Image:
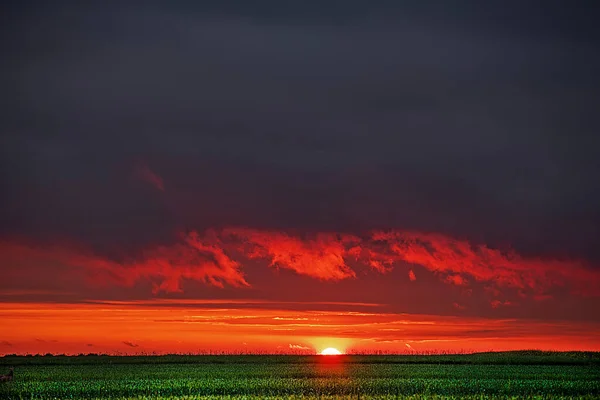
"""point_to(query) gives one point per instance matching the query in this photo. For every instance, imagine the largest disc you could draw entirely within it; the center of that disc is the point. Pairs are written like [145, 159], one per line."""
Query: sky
[286, 176]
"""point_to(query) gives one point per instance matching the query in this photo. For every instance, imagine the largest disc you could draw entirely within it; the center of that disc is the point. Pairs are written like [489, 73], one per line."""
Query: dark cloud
[130, 344]
[477, 122]
[145, 174]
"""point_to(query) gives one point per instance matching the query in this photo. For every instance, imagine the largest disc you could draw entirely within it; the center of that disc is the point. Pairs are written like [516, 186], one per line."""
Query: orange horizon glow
[462, 297]
[134, 328]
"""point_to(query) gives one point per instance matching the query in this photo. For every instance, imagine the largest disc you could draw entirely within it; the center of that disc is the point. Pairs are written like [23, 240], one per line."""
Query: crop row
[272, 380]
[288, 386]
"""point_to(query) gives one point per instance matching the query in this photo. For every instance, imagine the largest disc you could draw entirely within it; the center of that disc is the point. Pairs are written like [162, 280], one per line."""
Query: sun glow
[330, 351]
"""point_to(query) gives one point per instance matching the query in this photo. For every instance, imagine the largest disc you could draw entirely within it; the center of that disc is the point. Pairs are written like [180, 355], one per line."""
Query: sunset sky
[287, 176]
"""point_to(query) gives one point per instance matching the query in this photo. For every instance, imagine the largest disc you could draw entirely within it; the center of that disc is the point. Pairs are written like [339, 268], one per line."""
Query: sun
[330, 351]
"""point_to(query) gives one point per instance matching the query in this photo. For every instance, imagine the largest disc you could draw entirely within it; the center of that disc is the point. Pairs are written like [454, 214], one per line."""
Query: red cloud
[165, 266]
[215, 257]
[144, 173]
[456, 280]
[411, 276]
[457, 258]
[498, 304]
[200, 259]
[323, 256]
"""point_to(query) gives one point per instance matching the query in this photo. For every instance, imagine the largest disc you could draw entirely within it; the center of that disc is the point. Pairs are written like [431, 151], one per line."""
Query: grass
[484, 375]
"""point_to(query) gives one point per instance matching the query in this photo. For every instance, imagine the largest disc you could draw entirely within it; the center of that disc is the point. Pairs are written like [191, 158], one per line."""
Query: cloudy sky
[372, 174]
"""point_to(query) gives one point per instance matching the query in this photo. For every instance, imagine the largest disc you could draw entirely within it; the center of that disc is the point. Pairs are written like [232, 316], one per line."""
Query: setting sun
[330, 351]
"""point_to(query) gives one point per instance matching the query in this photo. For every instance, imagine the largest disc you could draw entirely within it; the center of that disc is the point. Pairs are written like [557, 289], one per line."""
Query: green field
[489, 375]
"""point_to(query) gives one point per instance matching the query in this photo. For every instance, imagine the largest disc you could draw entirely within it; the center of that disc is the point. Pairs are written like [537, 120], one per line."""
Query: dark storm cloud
[473, 121]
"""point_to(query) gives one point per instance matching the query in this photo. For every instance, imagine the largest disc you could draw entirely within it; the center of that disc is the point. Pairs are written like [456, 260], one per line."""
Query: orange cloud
[299, 347]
